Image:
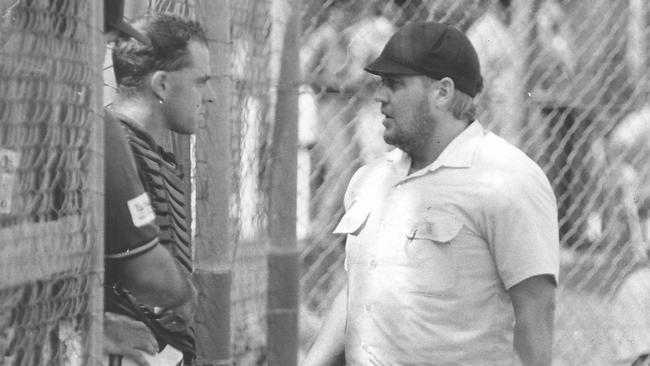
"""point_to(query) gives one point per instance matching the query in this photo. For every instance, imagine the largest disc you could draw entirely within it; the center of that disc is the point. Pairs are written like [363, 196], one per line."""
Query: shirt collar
[460, 151]
[167, 156]
[458, 154]
[137, 129]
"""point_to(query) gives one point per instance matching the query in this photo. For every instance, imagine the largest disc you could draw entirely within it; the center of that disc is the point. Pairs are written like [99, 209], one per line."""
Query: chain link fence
[565, 82]
[50, 229]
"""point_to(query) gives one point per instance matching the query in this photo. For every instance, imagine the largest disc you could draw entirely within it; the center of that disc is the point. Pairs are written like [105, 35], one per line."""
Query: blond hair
[463, 107]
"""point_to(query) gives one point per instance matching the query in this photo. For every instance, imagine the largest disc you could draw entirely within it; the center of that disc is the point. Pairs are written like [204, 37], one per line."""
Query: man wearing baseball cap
[452, 238]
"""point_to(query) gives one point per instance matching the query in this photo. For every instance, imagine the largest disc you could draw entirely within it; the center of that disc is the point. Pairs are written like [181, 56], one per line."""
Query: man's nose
[381, 95]
[209, 96]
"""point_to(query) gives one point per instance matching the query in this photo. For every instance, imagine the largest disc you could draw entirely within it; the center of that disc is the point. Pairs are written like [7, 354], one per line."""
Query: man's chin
[185, 130]
[389, 140]
[393, 140]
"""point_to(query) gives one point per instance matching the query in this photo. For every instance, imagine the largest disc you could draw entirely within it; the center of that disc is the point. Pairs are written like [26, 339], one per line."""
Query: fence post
[282, 306]
[213, 246]
[96, 182]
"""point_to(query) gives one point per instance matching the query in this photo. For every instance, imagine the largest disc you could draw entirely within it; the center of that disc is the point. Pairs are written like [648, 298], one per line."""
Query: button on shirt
[430, 255]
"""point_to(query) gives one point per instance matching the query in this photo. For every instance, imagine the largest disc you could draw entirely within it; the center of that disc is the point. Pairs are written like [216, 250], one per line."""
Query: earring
[160, 101]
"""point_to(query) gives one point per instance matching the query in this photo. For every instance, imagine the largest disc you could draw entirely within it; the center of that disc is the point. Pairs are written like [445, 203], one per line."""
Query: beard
[413, 135]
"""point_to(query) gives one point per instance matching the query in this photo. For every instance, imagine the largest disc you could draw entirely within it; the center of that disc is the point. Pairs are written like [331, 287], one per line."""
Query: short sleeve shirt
[430, 255]
[130, 226]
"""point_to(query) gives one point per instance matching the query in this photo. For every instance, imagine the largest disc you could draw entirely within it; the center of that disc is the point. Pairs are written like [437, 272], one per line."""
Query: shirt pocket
[430, 259]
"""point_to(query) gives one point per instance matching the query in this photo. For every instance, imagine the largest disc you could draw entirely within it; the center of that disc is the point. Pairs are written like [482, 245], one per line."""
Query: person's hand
[180, 317]
[126, 336]
[173, 321]
[177, 319]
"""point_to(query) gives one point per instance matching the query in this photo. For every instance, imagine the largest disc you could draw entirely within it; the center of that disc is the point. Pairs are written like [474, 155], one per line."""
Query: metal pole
[213, 245]
[96, 181]
[283, 290]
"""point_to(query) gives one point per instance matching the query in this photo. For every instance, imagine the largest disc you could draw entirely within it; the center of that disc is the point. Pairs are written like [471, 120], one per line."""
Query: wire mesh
[185, 8]
[48, 233]
[563, 83]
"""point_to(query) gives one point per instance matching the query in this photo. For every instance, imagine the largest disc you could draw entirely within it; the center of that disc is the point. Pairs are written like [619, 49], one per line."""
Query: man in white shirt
[452, 238]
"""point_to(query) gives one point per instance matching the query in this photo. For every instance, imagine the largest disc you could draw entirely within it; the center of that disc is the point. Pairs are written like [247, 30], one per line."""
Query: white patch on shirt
[8, 174]
[141, 210]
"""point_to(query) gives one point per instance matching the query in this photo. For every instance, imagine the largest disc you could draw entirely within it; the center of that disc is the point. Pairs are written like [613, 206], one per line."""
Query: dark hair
[170, 36]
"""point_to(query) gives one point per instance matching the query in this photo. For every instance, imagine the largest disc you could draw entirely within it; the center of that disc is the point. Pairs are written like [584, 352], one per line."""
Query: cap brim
[126, 29]
[385, 66]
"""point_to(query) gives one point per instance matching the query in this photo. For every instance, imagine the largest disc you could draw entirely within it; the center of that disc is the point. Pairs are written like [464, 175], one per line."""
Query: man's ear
[160, 84]
[446, 90]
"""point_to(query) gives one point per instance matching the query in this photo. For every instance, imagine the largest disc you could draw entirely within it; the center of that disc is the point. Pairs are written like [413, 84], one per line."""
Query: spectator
[501, 103]
[631, 143]
[631, 318]
[332, 64]
[367, 38]
[334, 81]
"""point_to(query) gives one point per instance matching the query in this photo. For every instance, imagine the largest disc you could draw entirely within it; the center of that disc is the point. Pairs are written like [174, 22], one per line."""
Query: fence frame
[96, 298]
[283, 263]
[212, 243]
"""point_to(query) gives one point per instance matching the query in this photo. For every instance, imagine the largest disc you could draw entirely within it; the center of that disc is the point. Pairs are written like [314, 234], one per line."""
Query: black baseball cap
[433, 49]
[114, 20]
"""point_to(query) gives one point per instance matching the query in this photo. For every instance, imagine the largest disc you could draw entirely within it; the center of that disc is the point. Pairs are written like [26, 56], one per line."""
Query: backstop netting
[50, 223]
[565, 82]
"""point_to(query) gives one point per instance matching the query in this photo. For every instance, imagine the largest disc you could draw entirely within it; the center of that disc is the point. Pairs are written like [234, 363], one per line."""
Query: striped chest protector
[162, 178]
